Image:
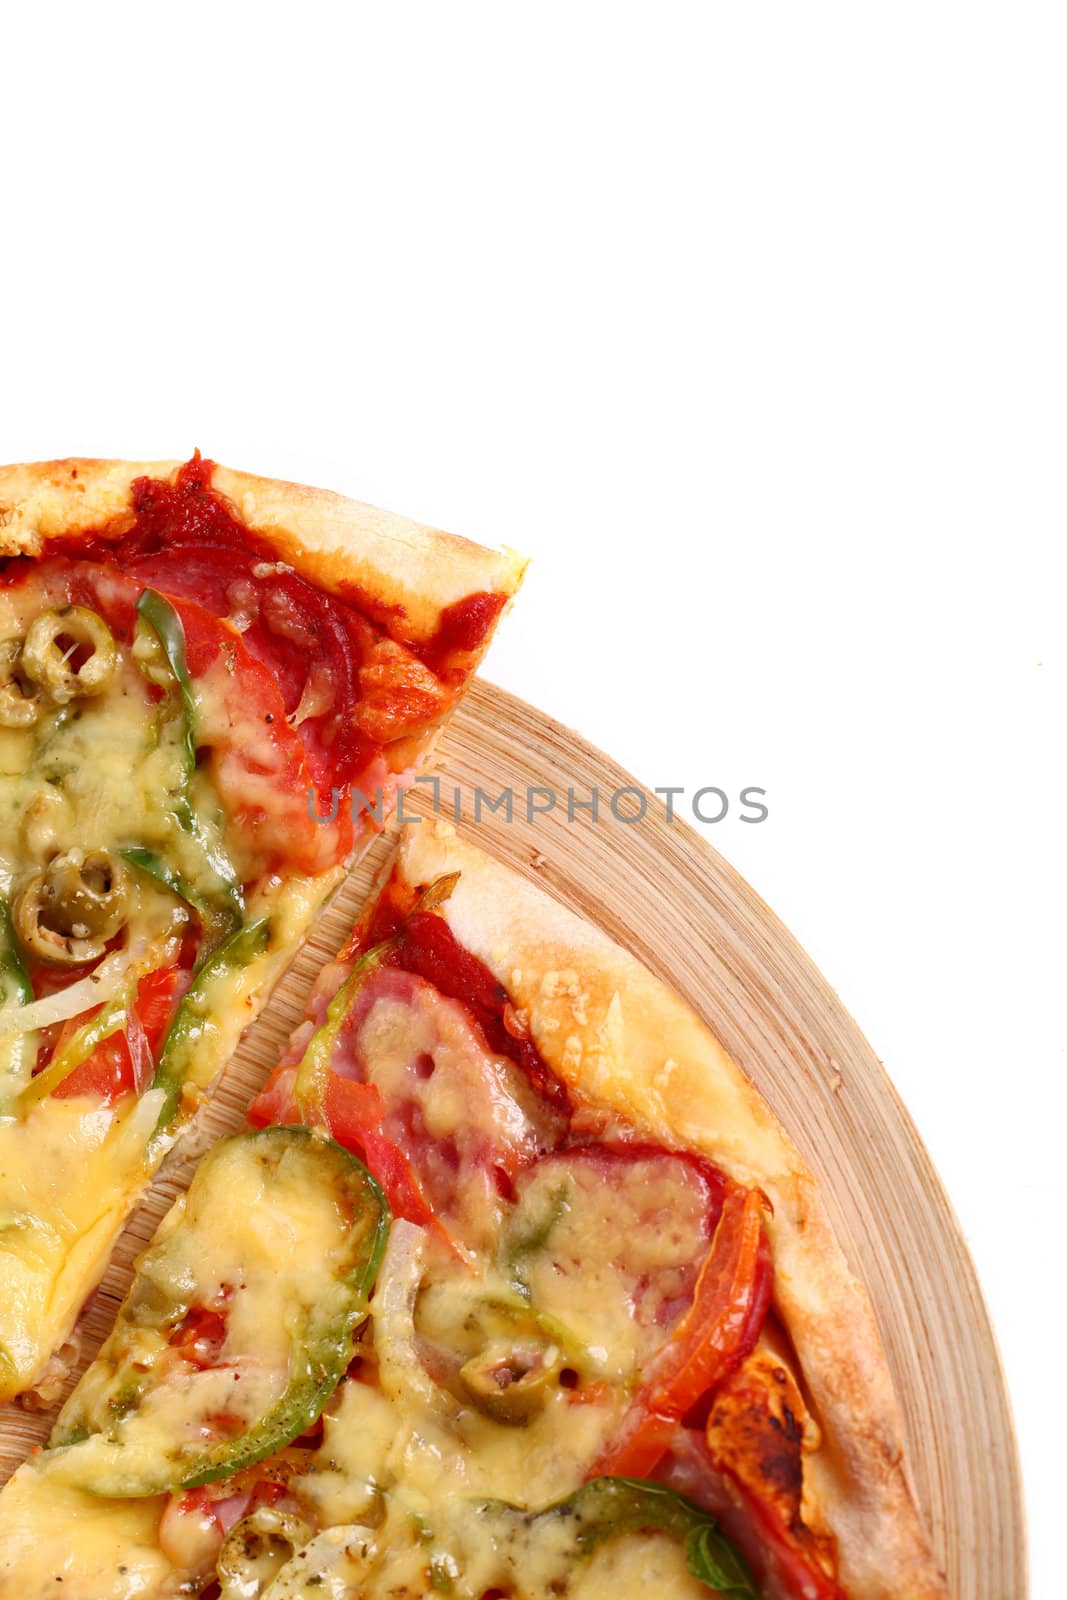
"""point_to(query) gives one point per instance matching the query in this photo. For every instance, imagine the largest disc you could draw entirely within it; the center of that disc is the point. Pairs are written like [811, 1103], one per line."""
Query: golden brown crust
[334, 541]
[619, 1038]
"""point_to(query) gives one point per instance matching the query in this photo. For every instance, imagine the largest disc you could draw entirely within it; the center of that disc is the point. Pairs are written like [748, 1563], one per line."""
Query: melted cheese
[69, 1173]
[111, 1551]
[466, 1555]
[604, 1238]
[409, 1448]
[260, 1240]
[635, 1566]
[71, 1170]
[96, 774]
[234, 996]
[422, 1051]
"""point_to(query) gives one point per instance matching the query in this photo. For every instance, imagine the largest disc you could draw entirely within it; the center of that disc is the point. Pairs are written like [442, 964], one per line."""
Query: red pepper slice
[253, 747]
[721, 1326]
[785, 1563]
[796, 1570]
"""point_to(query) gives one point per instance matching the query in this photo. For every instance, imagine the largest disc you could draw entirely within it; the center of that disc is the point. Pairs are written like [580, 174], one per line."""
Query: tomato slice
[797, 1572]
[111, 1070]
[158, 994]
[107, 1074]
[717, 1332]
[354, 1115]
[274, 1105]
[199, 1337]
[259, 763]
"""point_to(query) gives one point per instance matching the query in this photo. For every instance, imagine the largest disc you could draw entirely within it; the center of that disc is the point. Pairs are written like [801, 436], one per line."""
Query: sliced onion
[103, 983]
[140, 1054]
[401, 1372]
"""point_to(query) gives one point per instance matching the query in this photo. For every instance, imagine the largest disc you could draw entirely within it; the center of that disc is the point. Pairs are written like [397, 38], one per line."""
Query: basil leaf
[712, 1559]
[18, 1051]
[608, 1508]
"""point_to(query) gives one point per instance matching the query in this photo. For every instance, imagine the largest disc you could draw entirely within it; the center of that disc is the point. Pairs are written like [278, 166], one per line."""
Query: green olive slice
[67, 913]
[70, 651]
[510, 1380]
[20, 702]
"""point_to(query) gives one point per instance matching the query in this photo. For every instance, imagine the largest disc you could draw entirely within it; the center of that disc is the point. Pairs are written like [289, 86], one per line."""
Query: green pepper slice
[219, 888]
[195, 1020]
[607, 1508]
[279, 1282]
[313, 1071]
[219, 913]
[18, 1051]
[166, 624]
[113, 1018]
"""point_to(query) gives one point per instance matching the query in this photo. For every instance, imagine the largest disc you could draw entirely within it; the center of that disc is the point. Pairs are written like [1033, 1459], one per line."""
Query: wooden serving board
[659, 889]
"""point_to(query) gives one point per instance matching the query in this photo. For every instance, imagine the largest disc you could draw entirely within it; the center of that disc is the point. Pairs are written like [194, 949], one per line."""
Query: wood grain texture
[660, 890]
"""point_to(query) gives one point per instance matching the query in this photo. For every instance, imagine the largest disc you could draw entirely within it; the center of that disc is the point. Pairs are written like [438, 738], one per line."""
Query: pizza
[512, 1288]
[212, 687]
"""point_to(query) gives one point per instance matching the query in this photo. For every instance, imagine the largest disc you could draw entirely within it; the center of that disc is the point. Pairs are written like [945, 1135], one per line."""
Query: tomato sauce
[464, 626]
[190, 514]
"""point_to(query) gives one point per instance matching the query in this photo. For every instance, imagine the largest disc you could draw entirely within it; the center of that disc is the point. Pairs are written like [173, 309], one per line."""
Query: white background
[747, 322]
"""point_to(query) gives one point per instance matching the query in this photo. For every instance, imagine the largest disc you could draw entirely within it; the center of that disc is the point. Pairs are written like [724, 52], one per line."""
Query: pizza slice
[211, 688]
[611, 1347]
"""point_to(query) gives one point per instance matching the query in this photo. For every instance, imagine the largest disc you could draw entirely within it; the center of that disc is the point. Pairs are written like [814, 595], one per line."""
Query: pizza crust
[620, 1039]
[333, 541]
